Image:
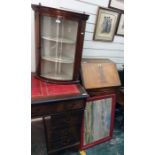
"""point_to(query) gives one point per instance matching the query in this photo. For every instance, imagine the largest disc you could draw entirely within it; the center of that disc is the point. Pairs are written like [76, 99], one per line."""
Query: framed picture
[117, 4]
[98, 120]
[106, 24]
[120, 29]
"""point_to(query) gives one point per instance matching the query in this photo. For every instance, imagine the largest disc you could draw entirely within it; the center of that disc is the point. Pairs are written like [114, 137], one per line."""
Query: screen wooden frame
[85, 146]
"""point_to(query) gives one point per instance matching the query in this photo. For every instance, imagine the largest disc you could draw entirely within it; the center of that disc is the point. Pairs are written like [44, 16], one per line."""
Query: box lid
[99, 73]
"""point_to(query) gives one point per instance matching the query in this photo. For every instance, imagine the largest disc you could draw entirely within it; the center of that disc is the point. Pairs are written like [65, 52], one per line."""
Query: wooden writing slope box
[101, 80]
[99, 73]
[61, 107]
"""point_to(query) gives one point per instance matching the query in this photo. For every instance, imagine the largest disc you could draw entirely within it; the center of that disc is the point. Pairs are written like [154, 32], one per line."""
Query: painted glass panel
[97, 119]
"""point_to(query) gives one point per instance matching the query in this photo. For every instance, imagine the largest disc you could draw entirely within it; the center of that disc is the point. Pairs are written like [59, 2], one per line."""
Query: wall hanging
[106, 24]
[117, 4]
[120, 29]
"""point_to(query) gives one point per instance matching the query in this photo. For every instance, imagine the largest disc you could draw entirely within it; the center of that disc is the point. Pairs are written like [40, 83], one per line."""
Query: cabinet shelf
[62, 59]
[63, 40]
[56, 76]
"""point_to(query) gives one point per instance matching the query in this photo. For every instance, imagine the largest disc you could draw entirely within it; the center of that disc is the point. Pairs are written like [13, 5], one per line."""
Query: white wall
[91, 49]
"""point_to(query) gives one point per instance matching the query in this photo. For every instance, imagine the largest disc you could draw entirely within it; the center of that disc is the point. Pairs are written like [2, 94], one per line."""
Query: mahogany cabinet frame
[52, 12]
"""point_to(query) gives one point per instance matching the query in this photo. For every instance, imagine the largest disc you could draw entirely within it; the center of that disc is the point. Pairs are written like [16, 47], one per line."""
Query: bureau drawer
[61, 123]
[63, 129]
[65, 133]
[66, 119]
[61, 143]
[63, 137]
[44, 110]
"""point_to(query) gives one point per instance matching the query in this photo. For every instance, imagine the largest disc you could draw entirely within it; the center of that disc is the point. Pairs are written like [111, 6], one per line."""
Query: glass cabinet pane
[58, 45]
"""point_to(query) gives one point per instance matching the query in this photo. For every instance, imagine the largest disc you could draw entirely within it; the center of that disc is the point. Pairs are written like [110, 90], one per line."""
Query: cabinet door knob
[82, 33]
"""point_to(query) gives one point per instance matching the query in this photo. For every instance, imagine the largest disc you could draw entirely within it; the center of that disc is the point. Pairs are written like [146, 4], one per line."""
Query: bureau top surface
[98, 73]
[47, 92]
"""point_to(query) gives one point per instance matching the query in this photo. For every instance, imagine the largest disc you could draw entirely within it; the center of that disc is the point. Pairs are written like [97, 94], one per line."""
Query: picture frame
[117, 4]
[98, 120]
[106, 24]
[120, 29]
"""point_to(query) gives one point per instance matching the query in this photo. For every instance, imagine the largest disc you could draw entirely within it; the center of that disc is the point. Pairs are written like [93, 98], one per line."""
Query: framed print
[106, 24]
[98, 120]
[117, 4]
[120, 29]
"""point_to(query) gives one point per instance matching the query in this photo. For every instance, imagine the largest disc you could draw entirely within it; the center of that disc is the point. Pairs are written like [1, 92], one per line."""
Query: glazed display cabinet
[59, 38]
